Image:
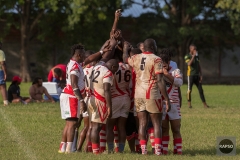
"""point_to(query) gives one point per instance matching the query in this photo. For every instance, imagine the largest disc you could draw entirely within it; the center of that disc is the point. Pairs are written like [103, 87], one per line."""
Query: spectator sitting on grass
[14, 92]
[36, 91]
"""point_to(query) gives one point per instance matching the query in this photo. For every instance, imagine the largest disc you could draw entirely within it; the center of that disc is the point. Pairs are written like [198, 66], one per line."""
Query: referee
[194, 74]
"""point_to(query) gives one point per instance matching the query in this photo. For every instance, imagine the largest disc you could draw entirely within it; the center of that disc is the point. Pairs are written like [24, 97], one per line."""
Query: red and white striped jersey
[172, 89]
[87, 73]
[146, 66]
[121, 81]
[100, 75]
[74, 68]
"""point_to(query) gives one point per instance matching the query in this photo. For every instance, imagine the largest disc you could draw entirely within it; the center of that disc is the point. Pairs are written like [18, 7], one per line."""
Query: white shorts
[86, 114]
[173, 114]
[70, 106]
[121, 106]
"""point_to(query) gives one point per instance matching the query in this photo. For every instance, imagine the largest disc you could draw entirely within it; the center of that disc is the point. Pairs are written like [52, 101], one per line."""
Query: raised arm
[115, 23]
[126, 48]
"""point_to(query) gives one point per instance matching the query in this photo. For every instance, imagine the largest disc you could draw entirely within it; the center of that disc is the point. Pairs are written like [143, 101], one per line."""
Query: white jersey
[172, 89]
[87, 73]
[122, 80]
[76, 69]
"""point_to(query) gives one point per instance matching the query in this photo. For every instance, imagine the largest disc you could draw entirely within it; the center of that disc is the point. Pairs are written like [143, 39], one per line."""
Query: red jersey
[51, 73]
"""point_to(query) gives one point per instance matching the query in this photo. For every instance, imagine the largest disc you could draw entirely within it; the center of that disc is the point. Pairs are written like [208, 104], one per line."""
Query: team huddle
[121, 93]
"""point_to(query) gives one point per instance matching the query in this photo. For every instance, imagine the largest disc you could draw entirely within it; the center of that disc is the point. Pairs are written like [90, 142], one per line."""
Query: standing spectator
[14, 92]
[3, 76]
[36, 91]
[194, 74]
[57, 73]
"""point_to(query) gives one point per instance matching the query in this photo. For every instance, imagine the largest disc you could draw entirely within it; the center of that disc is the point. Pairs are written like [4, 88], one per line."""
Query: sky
[136, 10]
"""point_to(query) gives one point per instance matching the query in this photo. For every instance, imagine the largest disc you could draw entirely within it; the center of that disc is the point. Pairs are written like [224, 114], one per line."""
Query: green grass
[33, 131]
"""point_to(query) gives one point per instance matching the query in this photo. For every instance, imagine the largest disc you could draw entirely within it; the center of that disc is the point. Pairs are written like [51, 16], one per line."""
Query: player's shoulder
[100, 67]
[173, 65]
[155, 58]
[187, 56]
[124, 66]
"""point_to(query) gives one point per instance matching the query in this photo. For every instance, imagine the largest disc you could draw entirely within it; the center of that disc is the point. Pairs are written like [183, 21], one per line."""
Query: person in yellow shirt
[3, 76]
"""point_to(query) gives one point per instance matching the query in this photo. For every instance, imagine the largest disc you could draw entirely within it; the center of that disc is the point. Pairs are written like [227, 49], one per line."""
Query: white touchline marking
[15, 135]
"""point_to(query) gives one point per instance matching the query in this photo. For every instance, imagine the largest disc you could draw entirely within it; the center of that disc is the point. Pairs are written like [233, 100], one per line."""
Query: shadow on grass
[194, 152]
[206, 152]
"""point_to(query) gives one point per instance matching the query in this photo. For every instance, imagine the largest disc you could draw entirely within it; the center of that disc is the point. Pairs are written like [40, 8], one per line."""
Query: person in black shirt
[14, 92]
[194, 74]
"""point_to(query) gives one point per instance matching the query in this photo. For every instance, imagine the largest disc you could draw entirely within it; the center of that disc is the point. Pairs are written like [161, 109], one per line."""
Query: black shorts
[131, 126]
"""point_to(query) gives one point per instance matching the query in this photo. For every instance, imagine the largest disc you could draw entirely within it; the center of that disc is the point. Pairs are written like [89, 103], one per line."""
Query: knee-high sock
[165, 142]
[103, 140]
[178, 145]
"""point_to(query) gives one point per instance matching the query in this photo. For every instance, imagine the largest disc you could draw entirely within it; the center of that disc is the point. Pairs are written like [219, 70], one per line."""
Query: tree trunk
[24, 15]
[23, 56]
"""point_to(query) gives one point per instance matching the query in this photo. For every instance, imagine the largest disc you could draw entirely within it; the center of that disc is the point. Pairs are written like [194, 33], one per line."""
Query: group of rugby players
[121, 93]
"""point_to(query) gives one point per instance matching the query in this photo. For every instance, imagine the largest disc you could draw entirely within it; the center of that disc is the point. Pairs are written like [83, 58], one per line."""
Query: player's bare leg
[143, 119]
[175, 126]
[83, 133]
[96, 127]
[110, 133]
[121, 133]
[4, 94]
[88, 146]
[68, 135]
[157, 121]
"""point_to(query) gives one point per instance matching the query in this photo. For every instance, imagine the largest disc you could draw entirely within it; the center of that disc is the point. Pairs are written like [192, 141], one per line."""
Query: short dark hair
[35, 81]
[138, 45]
[136, 51]
[165, 55]
[76, 47]
[58, 71]
[193, 45]
[89, 52]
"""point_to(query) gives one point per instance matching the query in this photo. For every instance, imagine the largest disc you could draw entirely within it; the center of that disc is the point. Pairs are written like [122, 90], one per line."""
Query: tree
[178, 23]
[232, 7]
[25, 15]
[57, 23]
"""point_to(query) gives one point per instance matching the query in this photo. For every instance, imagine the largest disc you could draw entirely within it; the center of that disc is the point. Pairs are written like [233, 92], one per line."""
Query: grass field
[33, 131]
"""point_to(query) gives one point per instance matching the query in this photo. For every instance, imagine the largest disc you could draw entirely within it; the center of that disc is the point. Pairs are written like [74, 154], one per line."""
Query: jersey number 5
[142, 66]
